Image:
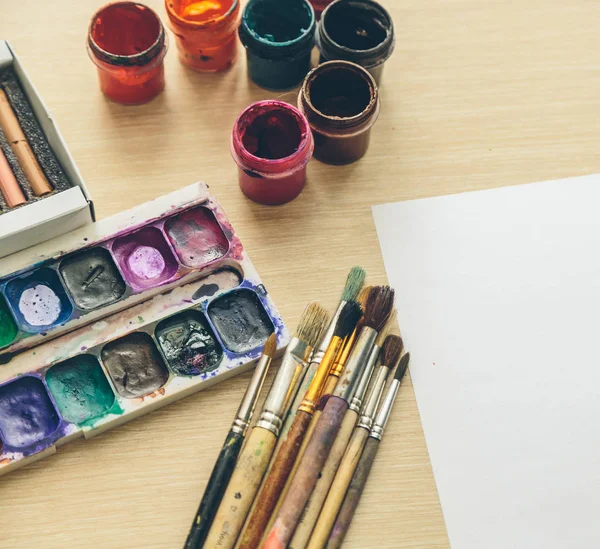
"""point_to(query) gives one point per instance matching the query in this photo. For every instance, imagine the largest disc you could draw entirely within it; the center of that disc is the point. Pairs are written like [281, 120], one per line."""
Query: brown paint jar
[341, 102]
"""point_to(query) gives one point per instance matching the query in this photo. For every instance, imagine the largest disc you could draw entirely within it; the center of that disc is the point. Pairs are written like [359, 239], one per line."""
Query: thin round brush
[363, 468]
[331, 487]
[223, 468]
[256, 453]
[377, 312]
[285, 456]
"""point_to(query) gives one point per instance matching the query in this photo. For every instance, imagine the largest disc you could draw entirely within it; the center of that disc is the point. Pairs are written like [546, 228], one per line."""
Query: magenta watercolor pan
[134, 361]
[111, 265]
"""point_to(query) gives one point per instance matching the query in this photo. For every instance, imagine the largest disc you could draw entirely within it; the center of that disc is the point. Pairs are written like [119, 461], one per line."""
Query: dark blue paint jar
[278, 36]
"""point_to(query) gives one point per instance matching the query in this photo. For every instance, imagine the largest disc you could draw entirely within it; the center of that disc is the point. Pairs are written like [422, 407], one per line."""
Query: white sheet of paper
[498, 297]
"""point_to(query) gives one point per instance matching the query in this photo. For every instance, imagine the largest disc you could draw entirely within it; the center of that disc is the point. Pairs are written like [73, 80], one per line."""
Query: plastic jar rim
[155, 52]
[211, 23]
[263, 166]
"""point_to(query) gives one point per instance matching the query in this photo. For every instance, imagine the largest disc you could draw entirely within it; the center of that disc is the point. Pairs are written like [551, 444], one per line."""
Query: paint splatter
[146, 262]
[80, 389]
[39, 305]
[27, 415]
[135, 365]
[189, 344]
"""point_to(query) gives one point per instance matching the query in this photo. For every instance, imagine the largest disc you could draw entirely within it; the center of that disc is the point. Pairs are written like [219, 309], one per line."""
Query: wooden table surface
[477, 95]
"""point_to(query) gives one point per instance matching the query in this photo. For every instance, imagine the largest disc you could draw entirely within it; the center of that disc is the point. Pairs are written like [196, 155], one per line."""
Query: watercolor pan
[134, 361]
[83, 276]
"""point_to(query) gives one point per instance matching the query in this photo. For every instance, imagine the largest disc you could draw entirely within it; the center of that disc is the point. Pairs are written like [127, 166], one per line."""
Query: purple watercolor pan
[92, 275]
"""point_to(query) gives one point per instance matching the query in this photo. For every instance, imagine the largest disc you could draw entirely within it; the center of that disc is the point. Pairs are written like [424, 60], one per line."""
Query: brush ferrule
[372, 401]
[285, 385]
[246, 409]
[328, 336]
[357, 360]
[365, 379]
[385, 411]
[309, 404]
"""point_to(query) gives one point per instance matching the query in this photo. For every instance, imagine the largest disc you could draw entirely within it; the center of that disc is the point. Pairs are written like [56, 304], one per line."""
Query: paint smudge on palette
[241, 320]
[27, 415]
[135, 365]
[197, 237]
[189, 344]
[80, 389]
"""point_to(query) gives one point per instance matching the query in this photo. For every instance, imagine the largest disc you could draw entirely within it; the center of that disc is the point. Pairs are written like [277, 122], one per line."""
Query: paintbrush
[319, 505]
[256, 454]
[377, 312]
[258, 520]
[363, 468]
[338, 485]
[223, 468]
[286, 455]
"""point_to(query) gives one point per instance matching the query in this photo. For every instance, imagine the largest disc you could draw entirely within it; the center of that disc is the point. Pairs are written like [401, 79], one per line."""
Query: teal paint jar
[278, 36]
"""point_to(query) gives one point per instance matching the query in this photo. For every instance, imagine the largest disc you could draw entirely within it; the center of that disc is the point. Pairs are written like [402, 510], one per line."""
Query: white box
[56, 214]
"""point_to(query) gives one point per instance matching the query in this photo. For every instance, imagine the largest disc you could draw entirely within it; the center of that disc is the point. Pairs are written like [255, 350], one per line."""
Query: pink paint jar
[127, 43]
[271, 143]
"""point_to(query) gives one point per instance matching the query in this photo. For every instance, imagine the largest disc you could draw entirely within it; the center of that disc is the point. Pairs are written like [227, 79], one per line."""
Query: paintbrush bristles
[390, 326]
[390, 352]
[313, 321]
[354, 282]
[378, 309]
[402, 367]
[270, 346]
[349, 317]
[364, 294]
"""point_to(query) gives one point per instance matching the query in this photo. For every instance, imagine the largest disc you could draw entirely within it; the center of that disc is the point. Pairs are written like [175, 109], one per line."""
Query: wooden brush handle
[313, 506]
[219, 479]
[306, 476]
[242, 488]
[353, 495]
[338, 488]
[274, 483]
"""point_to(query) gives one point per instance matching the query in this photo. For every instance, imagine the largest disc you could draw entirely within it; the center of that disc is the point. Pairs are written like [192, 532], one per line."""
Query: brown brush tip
[270, 346]
[387, 329]
[364, 294]
[349, 317]
[354, 282]
[379, 307]
[390, 352]
[313, 321]
[402, 367]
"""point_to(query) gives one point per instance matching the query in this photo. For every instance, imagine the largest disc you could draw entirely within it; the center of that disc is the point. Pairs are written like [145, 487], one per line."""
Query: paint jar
[341, 102]
[127, 43]
[319, 6]
[271, 143]
[278, 37]
[205, 32]
[360, 31]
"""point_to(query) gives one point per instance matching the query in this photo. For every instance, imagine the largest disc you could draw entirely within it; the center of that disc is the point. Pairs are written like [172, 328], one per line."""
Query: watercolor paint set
[179, 322]
[42, 194]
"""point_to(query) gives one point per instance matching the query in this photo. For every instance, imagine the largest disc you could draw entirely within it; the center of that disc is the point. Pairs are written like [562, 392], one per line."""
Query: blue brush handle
[219, 479]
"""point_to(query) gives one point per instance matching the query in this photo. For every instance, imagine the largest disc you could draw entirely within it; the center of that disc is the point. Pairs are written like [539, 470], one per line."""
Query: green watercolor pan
[139, 358]
[105, 267]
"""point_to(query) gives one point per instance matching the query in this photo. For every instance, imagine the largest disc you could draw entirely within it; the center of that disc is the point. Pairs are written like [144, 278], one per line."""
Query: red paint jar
[205, 32]
[271, 143]
[127, 43]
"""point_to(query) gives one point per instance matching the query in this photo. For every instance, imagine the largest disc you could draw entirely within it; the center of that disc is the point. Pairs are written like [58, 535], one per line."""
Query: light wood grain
[477, 94]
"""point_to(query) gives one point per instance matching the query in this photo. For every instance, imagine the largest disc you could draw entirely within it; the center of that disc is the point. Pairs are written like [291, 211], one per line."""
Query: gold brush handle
[313, 507]
[337, 491]
[242, 488]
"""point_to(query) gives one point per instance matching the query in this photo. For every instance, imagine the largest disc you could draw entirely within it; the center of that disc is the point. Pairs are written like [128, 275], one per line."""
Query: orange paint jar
[127, 43]
[205, 32]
